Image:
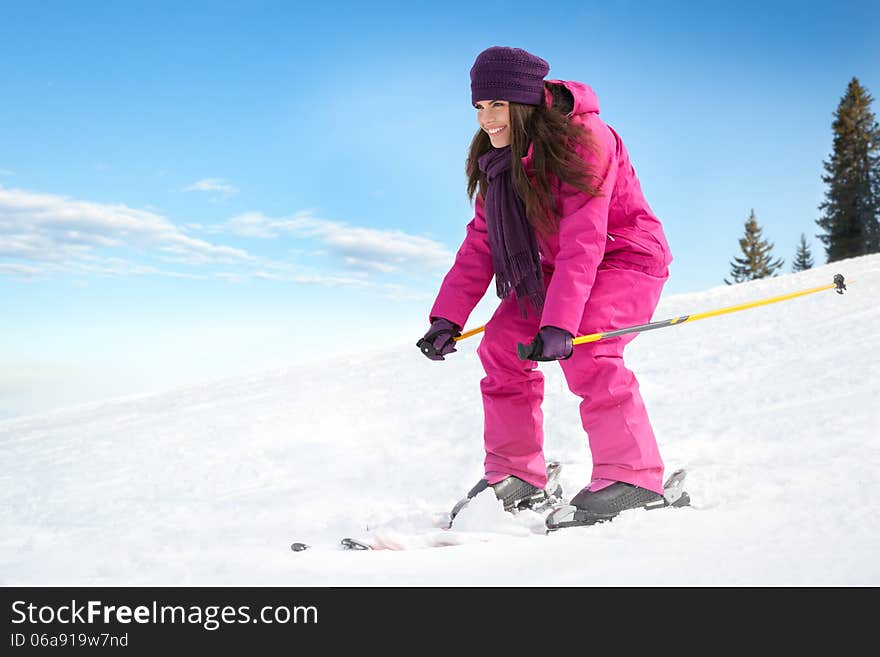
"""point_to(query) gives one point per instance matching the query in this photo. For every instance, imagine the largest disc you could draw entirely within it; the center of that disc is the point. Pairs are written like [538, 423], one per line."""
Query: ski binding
[571, 516]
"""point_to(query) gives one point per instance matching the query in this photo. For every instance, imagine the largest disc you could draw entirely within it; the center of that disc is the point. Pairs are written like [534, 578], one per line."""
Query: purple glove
[550, 343]
[439, 340]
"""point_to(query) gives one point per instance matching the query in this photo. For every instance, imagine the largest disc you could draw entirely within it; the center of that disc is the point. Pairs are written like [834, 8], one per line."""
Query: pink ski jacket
[616, 229]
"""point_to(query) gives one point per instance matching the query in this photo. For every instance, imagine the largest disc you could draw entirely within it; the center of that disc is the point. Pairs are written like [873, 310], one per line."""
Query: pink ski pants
[612, 412]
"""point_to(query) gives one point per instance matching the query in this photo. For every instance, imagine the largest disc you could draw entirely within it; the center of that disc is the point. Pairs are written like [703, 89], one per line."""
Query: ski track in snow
[773, 411]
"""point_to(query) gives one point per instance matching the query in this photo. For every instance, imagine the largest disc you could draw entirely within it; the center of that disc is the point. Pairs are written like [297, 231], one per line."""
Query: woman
[561, 223]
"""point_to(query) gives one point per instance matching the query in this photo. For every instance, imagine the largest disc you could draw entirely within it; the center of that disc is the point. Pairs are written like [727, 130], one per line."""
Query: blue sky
[190, 192]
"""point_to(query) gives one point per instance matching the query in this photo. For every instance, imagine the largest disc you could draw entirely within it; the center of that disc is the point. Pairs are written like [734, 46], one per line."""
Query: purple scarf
[515, 256]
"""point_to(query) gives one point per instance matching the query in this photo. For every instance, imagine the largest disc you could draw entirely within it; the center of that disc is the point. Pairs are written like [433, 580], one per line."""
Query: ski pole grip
[532, 350]
[426, 348]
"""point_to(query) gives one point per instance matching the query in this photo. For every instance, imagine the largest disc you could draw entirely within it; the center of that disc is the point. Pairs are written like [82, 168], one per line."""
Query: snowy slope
[773, 410]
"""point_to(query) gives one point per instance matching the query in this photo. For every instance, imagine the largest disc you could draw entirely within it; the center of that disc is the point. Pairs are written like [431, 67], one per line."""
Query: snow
[774, 411]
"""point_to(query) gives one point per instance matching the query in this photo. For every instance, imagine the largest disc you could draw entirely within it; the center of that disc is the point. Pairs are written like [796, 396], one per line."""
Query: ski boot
[517, 494]
[589, 508]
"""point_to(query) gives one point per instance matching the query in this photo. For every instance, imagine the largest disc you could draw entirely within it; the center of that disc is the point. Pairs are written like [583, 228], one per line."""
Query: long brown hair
[552, 135]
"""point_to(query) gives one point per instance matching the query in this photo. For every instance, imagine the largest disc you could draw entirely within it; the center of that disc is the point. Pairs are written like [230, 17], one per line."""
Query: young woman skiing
[561, 223]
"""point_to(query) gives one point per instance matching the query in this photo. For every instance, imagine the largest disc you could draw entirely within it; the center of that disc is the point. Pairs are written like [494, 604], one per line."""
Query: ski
[346, 543]
[561, 515]
[674, 496]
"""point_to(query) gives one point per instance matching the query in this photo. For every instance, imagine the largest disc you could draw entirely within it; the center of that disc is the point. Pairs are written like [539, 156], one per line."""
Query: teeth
[495, 131]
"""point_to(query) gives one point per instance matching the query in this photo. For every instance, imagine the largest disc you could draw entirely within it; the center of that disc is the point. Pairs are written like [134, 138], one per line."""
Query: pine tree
[851, 210]
[756, 262]
[803, 259]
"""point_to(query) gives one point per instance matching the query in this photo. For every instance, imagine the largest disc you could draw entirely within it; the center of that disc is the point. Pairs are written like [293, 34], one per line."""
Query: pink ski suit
[604, 269]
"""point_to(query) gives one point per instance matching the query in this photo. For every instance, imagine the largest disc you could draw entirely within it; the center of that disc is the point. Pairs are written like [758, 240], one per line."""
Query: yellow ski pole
[838, 285]
[468, 334]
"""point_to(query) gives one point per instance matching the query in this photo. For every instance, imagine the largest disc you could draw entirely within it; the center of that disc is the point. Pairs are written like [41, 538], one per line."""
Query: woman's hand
[551, 343]
[439, 341]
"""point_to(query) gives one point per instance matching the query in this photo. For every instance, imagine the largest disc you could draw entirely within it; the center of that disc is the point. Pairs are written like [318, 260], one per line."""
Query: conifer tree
[851, 211]
[756, 261]
[803, 259]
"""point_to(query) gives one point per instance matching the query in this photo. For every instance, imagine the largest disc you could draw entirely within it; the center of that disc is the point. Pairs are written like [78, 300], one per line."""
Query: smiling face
[494, 118]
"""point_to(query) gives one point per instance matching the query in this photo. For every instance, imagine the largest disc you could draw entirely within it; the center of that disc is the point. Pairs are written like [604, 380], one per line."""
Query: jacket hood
[585, 103]
[585, 99]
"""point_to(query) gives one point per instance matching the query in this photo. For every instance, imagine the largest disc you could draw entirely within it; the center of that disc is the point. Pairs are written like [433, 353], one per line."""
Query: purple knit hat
[511, 74]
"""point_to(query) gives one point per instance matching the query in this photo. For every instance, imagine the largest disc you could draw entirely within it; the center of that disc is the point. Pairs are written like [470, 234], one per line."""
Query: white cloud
[212, 185]
[402, 293]
[43, 234]
[255, 224]
[360, 248]
[368, 265]
[329, 281]
[51, 228]
[19, 270]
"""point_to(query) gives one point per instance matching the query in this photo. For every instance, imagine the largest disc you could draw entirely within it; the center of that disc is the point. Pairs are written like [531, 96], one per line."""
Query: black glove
[550, 343]
[439, 341]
